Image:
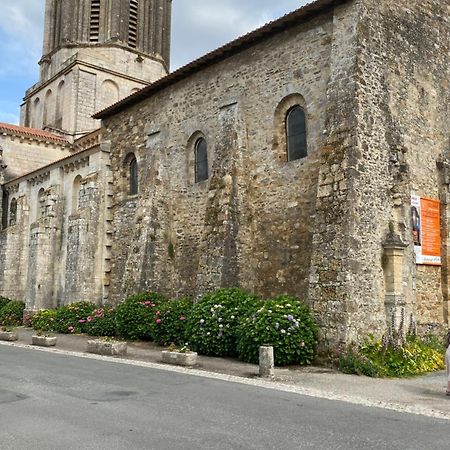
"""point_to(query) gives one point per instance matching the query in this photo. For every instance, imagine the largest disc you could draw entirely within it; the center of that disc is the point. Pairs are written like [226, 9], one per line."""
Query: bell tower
[95, 53]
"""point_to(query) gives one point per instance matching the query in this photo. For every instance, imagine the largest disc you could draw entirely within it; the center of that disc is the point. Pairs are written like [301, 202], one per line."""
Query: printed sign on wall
[426, 228]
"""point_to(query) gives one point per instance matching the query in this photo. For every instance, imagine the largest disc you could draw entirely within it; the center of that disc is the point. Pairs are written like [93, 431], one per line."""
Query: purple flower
[290, 318]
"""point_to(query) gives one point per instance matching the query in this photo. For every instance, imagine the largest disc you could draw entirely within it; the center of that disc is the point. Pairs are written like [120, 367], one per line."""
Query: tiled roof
[31, 133]
[301, 15]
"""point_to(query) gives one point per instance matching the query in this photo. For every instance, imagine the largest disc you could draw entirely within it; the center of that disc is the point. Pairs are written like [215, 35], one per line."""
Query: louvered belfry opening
[133, 24]
[94, 29]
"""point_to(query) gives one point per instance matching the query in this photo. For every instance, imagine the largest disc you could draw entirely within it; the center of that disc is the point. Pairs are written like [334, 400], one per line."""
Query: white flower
[202, 320]
[220, 326]
[285, 316]
[288, 305]
[208, 333]
[277, 325]
[232, 317]
[219, 319]
[269, 311]
[283, 331]
[216, 306]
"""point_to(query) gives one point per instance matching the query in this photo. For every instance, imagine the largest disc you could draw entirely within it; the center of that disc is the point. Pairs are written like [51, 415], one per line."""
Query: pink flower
[81, 321]
[70, 329]
[89, 319]
[158, 321]
[182, 318]
[158, 313]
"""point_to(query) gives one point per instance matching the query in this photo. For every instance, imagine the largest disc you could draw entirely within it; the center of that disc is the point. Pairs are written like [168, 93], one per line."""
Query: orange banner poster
[426, 226]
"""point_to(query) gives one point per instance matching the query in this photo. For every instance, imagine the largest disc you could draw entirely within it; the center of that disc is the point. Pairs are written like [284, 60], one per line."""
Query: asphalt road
[50, 401]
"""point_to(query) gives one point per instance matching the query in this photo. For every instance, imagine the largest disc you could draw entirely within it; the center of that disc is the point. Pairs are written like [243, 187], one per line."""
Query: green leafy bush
[415, 356]
[12, 313]
[169, 324]
[135, 316]
[287, 325]
[214, 322]
[72, 318]
[44, 320]
[102, 322]
[3, 302]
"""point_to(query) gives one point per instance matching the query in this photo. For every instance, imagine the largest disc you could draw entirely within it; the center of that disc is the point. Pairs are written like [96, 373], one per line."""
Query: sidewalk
[422, 395]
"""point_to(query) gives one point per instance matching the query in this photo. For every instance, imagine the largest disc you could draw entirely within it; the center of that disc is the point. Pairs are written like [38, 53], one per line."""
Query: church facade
[309, 157]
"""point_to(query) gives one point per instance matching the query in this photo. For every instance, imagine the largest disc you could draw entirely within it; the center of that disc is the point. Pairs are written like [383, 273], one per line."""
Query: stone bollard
[266, 361]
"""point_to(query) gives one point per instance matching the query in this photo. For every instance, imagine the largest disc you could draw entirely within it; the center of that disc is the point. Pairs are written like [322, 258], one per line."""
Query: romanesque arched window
[41, 206]
[134, 177]
[5, 201]
[201, 160]
[296, 133]
[13, 212]
[76, 188]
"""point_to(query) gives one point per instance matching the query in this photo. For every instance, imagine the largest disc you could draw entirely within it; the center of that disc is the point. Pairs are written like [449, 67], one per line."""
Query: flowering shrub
[135, 316]
[72, 318]
[3, 302]
[169, 324]
[287, 325]
[44, 320]
[12, 313]
[213, 323]
[102, 322]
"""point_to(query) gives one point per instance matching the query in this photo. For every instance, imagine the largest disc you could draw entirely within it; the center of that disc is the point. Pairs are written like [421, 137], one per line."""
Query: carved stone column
[394, 253]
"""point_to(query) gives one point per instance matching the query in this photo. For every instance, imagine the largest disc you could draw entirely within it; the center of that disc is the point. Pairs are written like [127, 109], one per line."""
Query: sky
[198, 26]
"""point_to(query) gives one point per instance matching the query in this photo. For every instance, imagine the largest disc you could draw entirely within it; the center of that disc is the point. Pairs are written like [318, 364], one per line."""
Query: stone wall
[54, 252]
[22, 155]
[251, 223]
[322, 228]
[398, 98]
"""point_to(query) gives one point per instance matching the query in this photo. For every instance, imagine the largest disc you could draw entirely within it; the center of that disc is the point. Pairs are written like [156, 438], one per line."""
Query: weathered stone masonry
[333, 229]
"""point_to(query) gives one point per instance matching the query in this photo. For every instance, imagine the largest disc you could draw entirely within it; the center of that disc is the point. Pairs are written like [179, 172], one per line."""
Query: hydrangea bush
[102, 322]
[136, 315]
[169, 324]
[72, 318]
[3, 302]
[285, 323]
[12, 313]
[214, 322]
[44, 320]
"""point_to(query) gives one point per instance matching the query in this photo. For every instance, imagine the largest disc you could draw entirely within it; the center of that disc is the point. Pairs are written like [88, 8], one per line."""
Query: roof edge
[303, 14]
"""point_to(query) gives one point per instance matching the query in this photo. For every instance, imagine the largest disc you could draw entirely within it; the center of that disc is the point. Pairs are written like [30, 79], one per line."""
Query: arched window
[41, 203]
[296, 134]
[59, 105]
[13, 212]
[134, 181]
[201, 160]
[48, 109]
[4, 209]
[76, 194]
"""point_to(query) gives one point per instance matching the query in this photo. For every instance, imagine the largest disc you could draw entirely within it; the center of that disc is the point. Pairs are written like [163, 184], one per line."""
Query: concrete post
[266, 361]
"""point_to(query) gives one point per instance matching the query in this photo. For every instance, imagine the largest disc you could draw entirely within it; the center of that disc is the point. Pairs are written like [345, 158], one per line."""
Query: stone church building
[309, 157]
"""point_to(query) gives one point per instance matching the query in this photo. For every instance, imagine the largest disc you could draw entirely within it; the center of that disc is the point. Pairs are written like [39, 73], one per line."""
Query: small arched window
[13, 212]
[76, 188]
[134, 180]
[201, 160]
[296, 134]
[41, 203]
